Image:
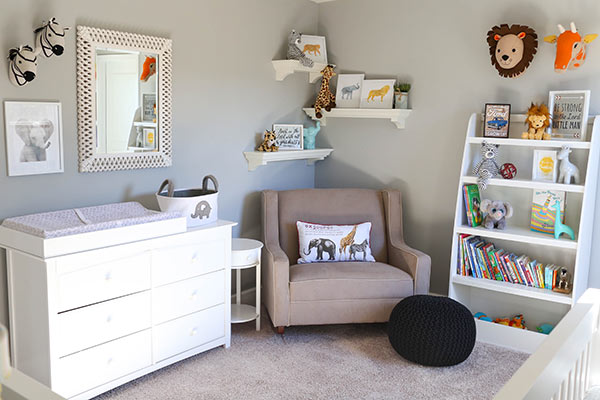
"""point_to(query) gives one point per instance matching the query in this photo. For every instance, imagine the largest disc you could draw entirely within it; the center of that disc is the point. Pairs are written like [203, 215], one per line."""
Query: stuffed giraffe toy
[347, 240]
[325, 99]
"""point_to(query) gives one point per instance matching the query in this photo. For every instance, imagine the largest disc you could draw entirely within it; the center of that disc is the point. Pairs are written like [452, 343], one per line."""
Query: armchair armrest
[416, 263]
[275, 265]
[412, 261]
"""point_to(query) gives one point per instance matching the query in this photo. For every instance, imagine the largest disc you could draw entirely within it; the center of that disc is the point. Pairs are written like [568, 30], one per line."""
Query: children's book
[543, 213]
[472, 202]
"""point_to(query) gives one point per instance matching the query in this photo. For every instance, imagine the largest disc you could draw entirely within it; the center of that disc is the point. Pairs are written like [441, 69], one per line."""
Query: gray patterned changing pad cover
[89, 219]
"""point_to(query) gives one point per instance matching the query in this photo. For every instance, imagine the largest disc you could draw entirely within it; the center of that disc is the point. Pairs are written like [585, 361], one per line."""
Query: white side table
[245, 253]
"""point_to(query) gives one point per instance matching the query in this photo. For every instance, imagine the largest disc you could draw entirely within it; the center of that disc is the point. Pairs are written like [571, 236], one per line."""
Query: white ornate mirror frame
[88, 39]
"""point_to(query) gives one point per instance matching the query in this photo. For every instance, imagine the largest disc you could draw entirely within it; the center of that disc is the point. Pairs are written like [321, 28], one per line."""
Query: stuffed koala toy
[497, 212]
[35, 136]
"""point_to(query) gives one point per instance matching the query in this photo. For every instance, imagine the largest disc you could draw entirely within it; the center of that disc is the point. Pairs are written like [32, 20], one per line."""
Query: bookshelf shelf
[500, 299]
[513, 288]
[525, 184]
[519, 234]
[532, 143]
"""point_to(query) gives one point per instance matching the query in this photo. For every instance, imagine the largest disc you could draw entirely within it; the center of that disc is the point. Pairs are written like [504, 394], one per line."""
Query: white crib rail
[566, 364]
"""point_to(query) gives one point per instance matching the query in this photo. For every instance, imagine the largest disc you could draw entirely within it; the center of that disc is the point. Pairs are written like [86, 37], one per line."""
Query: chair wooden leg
[280, 329]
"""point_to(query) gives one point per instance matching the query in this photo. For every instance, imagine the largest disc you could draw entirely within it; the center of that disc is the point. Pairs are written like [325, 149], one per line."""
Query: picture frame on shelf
[34, 137]
[314, 47]
[149, 107]
[377, 93]
[569, 111]
[545, 166]
[149, 135]
[289, 136]
[496, 120]
[348, 90]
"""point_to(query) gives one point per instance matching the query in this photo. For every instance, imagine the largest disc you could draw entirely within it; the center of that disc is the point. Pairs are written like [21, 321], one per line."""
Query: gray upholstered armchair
[341, 292]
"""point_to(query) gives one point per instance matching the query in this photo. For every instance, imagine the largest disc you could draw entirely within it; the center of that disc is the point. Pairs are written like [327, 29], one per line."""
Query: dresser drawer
[185, 297]
[182, 262]
[185, 333]
[92, 325]
[104, 281]
[90, 368]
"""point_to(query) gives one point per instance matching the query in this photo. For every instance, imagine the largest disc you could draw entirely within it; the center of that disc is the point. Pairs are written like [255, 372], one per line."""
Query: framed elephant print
[34, 137]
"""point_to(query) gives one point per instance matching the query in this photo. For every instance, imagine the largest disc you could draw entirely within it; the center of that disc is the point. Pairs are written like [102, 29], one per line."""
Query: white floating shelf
[258, 158]
[396, 115]
[519, 183]
[284, 68]
[513, 288]
[532, 143]
[518, 234]
[144, 123]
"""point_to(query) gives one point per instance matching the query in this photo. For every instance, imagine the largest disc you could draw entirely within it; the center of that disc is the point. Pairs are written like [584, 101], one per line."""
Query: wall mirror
[124, 100]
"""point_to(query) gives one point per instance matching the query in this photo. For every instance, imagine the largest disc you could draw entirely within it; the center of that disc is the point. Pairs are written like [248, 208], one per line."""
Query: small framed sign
[149, 107]
[544, 165]
[314, 48]
[569, 114]
[288, 136]
[496, 121]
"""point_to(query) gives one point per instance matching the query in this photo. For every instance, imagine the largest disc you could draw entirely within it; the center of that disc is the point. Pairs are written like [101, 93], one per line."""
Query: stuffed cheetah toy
[325, 98]
[268, 143]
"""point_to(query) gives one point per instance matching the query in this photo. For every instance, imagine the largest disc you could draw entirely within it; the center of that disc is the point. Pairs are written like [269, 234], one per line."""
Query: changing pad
[89, 219]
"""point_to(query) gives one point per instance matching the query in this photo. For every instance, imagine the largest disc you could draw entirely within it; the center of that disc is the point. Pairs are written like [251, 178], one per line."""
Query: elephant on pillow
[35, 136]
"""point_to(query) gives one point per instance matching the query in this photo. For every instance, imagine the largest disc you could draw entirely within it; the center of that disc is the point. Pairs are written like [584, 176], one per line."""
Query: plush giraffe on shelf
[325, 98]
[559, 227]
[347, 240]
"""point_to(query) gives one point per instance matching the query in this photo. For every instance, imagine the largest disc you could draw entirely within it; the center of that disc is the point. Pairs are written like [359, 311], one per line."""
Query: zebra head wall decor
[22, 66]
[50, 38]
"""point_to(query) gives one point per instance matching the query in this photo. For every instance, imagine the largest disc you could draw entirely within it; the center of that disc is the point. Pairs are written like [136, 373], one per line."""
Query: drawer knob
[108, 276]
[109, 319]
[109, 361]
[249, 258]
[194, 332]
[196, 259]
[194, 295]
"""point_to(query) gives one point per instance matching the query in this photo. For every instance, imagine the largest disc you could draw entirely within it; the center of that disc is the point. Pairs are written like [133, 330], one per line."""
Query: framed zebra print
[117, 72]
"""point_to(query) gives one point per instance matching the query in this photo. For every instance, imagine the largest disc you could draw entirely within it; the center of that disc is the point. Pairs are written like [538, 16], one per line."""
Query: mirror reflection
[126, 101]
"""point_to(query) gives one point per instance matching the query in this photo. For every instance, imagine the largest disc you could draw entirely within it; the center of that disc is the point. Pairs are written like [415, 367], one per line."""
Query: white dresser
[84, 319]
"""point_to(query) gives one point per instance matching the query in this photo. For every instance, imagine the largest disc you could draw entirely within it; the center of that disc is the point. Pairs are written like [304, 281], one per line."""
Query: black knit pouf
[432, 330]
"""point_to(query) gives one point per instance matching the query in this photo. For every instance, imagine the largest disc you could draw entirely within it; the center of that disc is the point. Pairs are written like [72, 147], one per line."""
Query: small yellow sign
[547, 165]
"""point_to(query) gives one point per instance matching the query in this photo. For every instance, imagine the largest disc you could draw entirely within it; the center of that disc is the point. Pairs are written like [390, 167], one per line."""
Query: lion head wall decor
[512, 48]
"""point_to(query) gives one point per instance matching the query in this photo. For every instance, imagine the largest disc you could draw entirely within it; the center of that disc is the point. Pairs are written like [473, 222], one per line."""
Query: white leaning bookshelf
[500, 299]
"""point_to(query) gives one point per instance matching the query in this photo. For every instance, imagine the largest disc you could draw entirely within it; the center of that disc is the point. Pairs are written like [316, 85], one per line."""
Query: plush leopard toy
[486, 168]
[294, 52]
[325, 98]
[268, 143]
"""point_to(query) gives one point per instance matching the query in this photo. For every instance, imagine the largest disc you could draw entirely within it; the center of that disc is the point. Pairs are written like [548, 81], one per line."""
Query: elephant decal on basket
[322, 245]
[202, 210]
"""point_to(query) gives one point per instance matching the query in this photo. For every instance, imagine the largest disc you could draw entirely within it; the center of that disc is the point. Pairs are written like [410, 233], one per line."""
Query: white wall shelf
[525, 184]
[396, 115]
[284, 68]
[258, 158]
[500, 299]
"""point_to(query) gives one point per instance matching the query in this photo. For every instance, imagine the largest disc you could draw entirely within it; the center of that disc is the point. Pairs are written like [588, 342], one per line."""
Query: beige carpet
[331, 362]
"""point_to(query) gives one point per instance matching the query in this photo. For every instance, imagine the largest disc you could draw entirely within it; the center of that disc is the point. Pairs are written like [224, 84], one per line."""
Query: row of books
[480, 259]
[542, 210]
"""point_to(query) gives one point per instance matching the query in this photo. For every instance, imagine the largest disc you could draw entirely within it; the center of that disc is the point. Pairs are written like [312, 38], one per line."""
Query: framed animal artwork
[34, 139]
[496, 121]
[348, 90]
[569, 114]
[314, 48]
[377, 93]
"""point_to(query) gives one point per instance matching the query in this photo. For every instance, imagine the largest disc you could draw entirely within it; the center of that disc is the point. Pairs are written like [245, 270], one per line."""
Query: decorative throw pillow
[322, 243]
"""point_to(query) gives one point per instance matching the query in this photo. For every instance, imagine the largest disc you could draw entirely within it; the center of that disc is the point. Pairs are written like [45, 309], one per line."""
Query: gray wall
[224, 94]
[440, 47]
